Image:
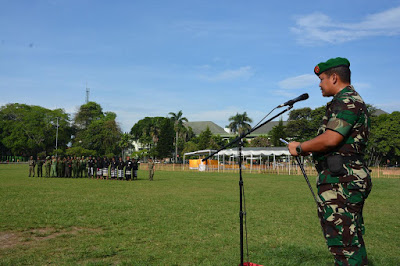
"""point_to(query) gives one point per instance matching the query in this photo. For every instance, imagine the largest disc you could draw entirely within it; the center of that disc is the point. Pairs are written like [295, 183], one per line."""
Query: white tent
[256, 152]
[199, 153]
[248, 153]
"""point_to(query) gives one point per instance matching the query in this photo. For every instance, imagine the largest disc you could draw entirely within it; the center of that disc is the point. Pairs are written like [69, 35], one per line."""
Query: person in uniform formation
[343, 181]
[135, 168]
[79, 167]
[82, 167]
[53, 172]
[113, 168]
[75, 167]
[151, 169]
[128, 169]
[90, 169]
[106, 165]
[32, 164]
[61, 164]
[99, 168]
[47, 166]
[120, 169]
[39, 163]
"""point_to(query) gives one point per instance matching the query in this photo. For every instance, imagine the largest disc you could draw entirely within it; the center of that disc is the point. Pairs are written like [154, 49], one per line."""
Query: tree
[205, 139]
[189, 147]
[217, 142]
[102, 136]
[29, 129]
[178, 125]
[384, 141]
[316, 119]
[148, 132]
[88, 113]
[298, 127]
[260, 141]
[96, 130]
[186, 134]
[125, 142]
[240, 123]
[141, 130]
[165, 146]
[277, 132]
[303, 123]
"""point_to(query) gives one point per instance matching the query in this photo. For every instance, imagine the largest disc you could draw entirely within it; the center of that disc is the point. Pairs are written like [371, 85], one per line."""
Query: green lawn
[181, 218]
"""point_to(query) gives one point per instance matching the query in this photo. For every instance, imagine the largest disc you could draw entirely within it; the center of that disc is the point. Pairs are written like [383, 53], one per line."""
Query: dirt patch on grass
[33, 236]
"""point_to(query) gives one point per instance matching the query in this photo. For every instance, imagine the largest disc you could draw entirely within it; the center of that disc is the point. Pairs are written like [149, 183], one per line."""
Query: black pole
[319, 206]
[239, 140]
[306, 178]
[241, 201]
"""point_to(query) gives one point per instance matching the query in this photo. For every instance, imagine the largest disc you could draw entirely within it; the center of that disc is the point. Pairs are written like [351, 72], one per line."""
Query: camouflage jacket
[346, 114]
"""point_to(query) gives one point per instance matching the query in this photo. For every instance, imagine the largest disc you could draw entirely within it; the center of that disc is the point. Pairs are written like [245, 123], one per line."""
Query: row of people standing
[79, 167]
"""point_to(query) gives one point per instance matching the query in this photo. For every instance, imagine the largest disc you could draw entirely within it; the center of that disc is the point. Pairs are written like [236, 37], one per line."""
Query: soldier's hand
[292, 148]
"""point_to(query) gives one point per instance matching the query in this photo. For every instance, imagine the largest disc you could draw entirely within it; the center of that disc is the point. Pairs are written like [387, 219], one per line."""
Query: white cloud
[319, 28]
[299, 82]
[230, 74]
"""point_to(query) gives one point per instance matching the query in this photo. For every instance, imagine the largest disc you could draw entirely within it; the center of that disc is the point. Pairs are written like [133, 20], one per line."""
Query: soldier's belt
[323, 165]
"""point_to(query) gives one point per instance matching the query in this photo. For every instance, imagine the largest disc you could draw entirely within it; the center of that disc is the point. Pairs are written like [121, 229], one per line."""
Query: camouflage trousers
[342, 220]
[31, 170]
[47, 169]
[151, 174]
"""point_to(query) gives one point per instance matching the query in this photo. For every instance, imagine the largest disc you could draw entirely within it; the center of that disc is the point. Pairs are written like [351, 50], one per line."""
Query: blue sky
[210, 59]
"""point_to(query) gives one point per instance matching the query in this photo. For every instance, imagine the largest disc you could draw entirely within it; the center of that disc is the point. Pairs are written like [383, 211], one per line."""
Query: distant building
[200, 126]
[379, 112]
[265, 129]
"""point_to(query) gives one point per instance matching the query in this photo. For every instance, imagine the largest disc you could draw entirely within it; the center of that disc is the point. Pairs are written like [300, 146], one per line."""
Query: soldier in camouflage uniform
[32, 164]
[151, 169]
[343, 181]
[67, 167]
[75, 167]
[47, 166]
[53, 166]
[82, 167]
[39, 168]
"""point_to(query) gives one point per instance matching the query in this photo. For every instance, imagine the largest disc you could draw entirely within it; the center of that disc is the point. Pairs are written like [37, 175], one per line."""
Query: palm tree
[154, 133]
[178, 125]
[125, 143]
[240, 123]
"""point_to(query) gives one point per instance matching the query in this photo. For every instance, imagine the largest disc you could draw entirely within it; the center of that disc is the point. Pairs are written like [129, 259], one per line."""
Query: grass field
[181, 218]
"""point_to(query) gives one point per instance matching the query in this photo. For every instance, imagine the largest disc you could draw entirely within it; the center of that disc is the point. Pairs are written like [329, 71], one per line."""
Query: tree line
[34, 130]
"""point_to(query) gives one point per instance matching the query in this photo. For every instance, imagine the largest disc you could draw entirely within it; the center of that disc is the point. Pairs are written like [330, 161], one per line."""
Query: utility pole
[87, 93]
[57, 136]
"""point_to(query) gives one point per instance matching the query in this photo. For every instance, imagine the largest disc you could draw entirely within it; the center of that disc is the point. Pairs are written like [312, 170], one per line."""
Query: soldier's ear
[334, 77]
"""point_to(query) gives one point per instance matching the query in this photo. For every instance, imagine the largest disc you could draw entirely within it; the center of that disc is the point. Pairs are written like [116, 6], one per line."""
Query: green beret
[331, 63]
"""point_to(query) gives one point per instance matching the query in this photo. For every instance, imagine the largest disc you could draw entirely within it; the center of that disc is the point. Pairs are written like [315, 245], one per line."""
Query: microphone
[295, 100]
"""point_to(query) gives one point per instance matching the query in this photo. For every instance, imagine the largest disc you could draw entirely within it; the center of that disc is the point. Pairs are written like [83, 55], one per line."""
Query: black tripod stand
[239, 140]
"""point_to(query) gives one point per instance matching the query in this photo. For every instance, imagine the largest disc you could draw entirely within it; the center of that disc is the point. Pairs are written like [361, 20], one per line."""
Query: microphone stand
[239, 140]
